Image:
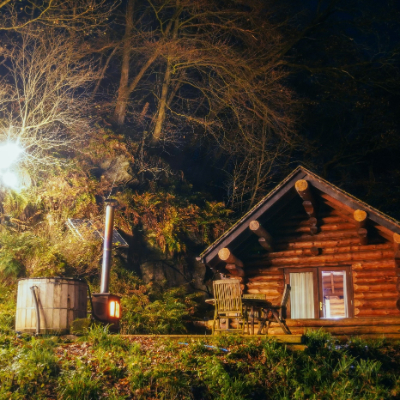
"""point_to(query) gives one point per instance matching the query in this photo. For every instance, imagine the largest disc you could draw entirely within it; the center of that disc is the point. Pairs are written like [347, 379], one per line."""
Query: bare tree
[200, 65]
[44, 101]
[76, 15]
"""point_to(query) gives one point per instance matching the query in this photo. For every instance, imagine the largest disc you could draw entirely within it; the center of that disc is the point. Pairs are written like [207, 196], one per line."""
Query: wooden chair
[278, 317]
[228, 305]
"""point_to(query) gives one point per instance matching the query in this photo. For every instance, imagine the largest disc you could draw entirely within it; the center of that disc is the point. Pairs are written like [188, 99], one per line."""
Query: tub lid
[53, 278]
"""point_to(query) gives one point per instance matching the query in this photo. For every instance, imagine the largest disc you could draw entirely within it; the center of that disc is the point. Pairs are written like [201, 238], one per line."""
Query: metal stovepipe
[107, 249]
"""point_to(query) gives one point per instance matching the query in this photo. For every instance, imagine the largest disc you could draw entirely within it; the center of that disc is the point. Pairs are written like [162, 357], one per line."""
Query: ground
[102, 366]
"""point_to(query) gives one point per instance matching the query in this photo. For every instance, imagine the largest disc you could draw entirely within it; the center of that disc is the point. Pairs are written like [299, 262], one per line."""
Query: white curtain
[302, 295]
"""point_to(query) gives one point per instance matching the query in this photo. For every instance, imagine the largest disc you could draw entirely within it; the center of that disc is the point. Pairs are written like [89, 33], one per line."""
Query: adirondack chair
[228, 305]
[278, 313]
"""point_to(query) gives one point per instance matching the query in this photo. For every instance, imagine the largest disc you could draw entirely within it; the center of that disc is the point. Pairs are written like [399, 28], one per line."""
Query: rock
[117, 169]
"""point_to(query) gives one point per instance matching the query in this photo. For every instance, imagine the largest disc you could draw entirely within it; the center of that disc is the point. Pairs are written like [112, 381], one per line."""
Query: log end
[254, 225]
[360, 215]
[224, 254]
[396, 238]
[301, 185]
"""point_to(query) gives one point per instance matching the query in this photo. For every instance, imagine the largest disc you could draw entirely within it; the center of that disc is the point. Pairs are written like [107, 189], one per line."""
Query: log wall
[337, 243]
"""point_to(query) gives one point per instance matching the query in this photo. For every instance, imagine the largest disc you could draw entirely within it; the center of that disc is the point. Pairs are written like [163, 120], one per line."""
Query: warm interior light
[112, 308]
[9, 153]
[117, 310]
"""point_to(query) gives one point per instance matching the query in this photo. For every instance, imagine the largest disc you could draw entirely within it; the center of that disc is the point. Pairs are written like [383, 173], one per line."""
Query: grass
[103, 366]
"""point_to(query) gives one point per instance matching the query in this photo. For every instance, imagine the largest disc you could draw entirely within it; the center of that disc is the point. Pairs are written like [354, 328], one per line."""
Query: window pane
[334, 294]
[302, 295]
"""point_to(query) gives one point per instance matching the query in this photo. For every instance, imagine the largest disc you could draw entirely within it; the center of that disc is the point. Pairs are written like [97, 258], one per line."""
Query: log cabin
[340, 256]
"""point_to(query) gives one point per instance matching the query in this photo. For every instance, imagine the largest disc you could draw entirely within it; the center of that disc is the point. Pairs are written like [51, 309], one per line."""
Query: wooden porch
[367, 328]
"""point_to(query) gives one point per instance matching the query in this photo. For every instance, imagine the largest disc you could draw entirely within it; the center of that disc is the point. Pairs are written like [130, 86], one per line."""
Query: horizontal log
[267, 278]
[306, 222]
[347, 257]
[375, 288]
[261, 271]
[235, 270]
[389, 303]
[291, 245]
[327, 264]
[226, 255]
[346, 330]
[327, 227]
[319, 236]
[238, 278]
[374, 273]
[362, 312]
[376, 280]
[378, 321]
[373, 265]
[273, 285]
[374, 295]
[272, 293]
[324, 250]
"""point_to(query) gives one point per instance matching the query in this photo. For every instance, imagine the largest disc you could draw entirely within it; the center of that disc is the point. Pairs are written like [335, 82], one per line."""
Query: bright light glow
[112, 308]
[10, 179]
[9, 153]
[117, 309]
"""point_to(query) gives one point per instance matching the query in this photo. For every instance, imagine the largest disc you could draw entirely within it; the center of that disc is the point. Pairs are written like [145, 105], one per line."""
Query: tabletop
[247, 302]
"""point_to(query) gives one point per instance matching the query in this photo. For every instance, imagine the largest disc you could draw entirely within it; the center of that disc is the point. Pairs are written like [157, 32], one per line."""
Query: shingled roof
[280, 197]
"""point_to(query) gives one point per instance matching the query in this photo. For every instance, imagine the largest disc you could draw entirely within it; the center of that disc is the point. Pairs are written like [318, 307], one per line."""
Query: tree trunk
[123, 92]
[162, 105]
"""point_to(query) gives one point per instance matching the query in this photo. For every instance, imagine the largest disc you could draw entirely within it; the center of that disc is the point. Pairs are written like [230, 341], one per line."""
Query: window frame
[318, 293]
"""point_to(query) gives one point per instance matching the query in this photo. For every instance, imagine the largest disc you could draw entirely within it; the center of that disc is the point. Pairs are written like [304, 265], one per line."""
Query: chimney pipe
[107, 249]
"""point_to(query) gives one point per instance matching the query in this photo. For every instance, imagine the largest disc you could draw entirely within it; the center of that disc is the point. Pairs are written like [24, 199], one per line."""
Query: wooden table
[259, 305]
[256, 305]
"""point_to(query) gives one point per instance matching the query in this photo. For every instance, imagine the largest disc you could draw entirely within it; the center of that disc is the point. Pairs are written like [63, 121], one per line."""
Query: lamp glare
[9, 153]
[10, 179]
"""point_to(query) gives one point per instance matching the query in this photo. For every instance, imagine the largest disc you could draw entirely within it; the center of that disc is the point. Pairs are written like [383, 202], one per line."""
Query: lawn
[102, 366]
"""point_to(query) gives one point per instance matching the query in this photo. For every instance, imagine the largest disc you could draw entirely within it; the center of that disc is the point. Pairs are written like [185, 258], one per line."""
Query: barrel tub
[60, 301]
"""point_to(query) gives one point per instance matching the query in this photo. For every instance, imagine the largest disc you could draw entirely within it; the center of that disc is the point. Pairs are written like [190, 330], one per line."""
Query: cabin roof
[280, 197]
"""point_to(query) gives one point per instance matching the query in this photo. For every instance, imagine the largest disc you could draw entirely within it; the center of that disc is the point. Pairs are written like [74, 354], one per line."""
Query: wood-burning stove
[107, 306]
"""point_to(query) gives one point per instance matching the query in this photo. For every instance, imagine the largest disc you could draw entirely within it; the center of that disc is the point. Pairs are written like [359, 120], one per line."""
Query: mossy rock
[80, 326]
